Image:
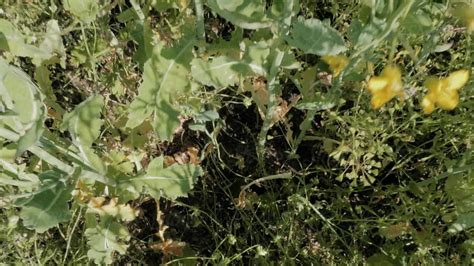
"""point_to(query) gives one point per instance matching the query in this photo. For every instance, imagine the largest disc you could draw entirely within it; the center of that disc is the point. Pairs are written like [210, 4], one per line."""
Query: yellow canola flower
[444, 92]
[386, 86]
[466, 14]
[336, 63]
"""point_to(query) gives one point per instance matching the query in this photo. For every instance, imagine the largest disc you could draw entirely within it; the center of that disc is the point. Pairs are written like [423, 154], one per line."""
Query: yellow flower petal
[377, 84]
[336, 63]
[457, 79]
[444, 92]
[448, 101]
[428, 105]
[386, 86]
[379, 99]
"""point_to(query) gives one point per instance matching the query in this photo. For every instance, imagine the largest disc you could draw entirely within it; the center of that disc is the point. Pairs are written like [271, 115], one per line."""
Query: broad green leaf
[464, 221]
[163, 5]
[166, 120]
[363, 34]
[166, 76]
[247, 14]
[381, 259]
[13, 41]
[143, 35]
[461, 188]
[315, 37]
[284, 11]
[174, 181]
[105, 238]
[85, 10]
[259, 56]
[230, 48]
[52, 45]
[49, 206]
[219, 72]
[23, 99]
[84, 121]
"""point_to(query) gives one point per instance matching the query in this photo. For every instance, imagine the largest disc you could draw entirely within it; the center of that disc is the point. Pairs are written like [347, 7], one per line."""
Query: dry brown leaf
[169, 247]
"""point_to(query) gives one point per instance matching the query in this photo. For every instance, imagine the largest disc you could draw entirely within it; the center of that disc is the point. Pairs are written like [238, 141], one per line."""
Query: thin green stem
[272, 104]
[199, 20]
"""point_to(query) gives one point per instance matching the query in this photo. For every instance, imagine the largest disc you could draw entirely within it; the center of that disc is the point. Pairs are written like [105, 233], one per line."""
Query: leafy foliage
[314, 37]
[174, 181]
[236, 132]
[48, 206]
[22, 106]
[165, 78]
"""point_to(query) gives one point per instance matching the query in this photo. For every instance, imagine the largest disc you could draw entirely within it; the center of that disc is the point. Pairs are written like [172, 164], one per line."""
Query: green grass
[361, 186]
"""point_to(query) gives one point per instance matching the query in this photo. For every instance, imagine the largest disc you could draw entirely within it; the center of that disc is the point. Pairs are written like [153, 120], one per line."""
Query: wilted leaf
[315, 37]
[49, 206]
[170, 247]
[165, 77]
[123, 212]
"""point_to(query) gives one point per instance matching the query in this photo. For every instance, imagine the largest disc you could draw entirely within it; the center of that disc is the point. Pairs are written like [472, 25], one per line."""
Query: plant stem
[272, 104]
[199, 20]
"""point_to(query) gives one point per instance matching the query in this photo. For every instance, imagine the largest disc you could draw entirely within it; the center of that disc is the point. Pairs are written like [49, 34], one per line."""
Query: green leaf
[166, 76]
[247, 14]
[143, 35]
[461, 188]
[13, 41]
[381, 259]
[315, 37]
[283, 11]
[23, 99]
[52, 45]
[218, 72]
[363, 34]
[464, 221]
[49, 205]
[163, 5]
[85, 10]
[84, 121]
[174, 181]
[106, 238]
